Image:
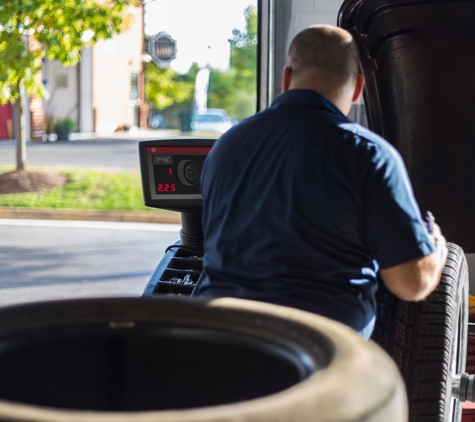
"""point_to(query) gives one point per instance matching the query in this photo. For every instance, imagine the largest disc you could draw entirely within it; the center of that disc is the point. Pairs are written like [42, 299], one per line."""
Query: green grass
[86, 189]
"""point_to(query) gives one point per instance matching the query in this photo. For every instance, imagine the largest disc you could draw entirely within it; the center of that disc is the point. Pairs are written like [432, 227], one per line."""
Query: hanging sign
[162, 49]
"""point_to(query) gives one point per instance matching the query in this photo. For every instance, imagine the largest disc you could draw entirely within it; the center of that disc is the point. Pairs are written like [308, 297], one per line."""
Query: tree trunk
[20, 130]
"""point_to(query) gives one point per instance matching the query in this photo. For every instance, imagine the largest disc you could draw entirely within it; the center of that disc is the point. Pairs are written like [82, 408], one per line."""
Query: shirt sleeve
[393, 228]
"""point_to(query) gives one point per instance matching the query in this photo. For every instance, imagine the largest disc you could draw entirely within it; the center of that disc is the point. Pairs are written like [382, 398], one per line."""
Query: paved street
[44, 260]
[120, 152]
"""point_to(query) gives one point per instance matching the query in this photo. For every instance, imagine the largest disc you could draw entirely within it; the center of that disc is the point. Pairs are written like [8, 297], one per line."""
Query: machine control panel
[171, 170]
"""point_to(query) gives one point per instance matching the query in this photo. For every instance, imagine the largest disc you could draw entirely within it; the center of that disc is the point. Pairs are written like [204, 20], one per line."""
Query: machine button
[188, 172]
[191, 172]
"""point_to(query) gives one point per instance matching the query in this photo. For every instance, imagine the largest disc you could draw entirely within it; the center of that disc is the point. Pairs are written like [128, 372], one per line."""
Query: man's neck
[342, 101]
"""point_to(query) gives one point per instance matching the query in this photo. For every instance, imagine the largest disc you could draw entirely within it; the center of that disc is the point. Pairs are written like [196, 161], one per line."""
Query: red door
[6, 123]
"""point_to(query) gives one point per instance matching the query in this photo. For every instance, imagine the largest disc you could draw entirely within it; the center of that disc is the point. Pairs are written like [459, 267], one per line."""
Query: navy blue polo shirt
[302, 207]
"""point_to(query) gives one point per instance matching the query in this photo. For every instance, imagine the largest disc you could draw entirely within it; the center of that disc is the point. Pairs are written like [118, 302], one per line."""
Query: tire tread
[418, 336]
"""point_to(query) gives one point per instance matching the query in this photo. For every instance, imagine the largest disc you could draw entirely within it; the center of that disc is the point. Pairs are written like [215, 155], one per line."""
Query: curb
[129, 216]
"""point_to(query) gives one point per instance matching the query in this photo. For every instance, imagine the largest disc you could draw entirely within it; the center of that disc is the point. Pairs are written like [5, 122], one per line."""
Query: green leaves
[165, 87]
[235, 89]
[31, 30]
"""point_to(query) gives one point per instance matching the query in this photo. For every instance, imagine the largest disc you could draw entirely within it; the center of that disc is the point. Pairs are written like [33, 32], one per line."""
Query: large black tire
[428, 341]
[343, 378]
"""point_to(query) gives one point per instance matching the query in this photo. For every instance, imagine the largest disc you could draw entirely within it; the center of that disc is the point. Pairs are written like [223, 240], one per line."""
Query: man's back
[294, 213]
[302, 207]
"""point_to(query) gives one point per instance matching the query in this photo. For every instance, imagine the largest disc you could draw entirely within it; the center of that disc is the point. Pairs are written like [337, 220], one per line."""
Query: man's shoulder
[366, 139]
[356, 130]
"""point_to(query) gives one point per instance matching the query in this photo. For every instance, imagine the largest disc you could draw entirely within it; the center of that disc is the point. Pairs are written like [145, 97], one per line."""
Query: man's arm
[414, 280]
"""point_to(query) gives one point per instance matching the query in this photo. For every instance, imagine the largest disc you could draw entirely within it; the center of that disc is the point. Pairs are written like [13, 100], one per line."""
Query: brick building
[104, 92]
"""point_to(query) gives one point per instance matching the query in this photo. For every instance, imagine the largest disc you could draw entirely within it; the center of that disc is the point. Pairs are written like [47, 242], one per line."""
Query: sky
[201, 28]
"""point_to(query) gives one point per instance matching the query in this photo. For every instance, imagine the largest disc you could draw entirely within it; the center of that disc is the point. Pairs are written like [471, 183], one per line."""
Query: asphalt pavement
[50, 260]
[51, 255]
[110, 151]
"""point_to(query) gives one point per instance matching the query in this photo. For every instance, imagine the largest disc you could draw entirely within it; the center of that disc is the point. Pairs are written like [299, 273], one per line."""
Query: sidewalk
[164, 217]
[136, 134]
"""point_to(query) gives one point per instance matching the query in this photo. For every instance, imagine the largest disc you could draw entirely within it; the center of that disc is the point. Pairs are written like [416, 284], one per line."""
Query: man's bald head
[323, 54]
[325, 59]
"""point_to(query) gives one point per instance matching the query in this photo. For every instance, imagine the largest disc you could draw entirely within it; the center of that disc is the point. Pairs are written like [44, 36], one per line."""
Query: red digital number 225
[166, 187]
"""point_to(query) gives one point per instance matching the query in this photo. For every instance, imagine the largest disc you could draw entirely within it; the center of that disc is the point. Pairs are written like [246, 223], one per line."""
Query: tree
[165, 87]
[235, 89]
[243, 52]
[33, 30]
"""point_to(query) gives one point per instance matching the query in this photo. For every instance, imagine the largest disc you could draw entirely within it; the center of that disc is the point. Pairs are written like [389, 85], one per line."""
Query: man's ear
[286, 76]
[358, 87]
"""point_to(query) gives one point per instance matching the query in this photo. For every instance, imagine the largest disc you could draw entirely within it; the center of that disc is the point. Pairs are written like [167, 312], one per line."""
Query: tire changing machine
[171, 172]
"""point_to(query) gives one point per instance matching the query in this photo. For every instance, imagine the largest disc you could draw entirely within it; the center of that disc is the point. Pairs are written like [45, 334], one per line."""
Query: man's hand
[416, 279]
[439, 242]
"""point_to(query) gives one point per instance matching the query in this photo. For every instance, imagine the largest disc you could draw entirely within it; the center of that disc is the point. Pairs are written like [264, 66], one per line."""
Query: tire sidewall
[361, 383]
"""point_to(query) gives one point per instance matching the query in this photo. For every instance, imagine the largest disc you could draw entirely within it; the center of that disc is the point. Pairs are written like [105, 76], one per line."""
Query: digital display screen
[175, 171]
[171, 171]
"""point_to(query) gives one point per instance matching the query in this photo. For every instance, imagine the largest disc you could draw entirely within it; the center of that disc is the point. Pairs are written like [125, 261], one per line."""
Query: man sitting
[303, 208]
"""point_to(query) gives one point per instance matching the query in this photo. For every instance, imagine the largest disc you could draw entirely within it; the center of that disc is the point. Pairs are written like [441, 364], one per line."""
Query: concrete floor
[48, 260]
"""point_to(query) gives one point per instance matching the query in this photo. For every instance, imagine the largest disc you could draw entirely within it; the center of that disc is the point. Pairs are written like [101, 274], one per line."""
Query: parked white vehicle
[212, 120]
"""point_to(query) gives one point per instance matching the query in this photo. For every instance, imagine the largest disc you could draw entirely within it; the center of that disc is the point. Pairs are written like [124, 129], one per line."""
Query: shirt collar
[305, 97]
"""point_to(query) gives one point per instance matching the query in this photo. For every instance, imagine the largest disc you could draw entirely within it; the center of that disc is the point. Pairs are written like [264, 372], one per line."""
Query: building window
[134, 86]
[61, 80]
